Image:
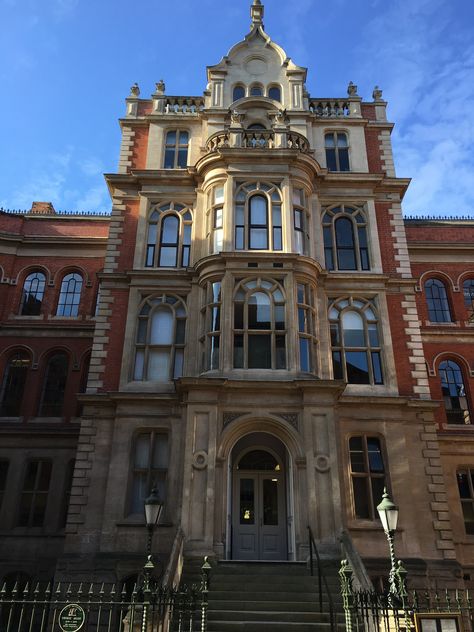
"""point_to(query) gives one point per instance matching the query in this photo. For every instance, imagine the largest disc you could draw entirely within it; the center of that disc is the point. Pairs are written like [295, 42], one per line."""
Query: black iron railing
[323, 586]
[98, 607]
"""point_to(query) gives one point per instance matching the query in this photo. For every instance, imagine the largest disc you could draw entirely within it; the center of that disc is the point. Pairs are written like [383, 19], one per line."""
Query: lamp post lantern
[153, 510]
[388, 513]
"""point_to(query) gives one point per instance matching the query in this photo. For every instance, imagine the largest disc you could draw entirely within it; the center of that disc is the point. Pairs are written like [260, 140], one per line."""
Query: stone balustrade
[335, 108]
[258, 139]
[178, 105]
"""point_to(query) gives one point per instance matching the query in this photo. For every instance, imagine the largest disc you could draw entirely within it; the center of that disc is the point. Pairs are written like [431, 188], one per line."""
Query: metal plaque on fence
[71, 618]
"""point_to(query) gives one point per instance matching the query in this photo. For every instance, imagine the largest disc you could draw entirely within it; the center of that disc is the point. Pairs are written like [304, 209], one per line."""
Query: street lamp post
[388, 513]
[153, 510]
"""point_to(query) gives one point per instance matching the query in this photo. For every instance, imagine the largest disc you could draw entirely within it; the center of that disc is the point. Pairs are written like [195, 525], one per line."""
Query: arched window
[169, 236]
[70, 295]
[256, 90]
[306, 326]
[54, 385]
[274, 93]
[258, 217]
[238, 93]
[259, 325]
[337, 151]
[368, 475]
[356, 349]
[437, 301]
[454, 393]
[149, 468]
[32, 295]
[345, 239]
[468, 291]
[160, 339]
[176, 149]
[13, 386]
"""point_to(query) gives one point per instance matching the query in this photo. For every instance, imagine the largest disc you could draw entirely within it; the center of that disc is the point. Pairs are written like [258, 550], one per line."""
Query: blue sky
[67, 65]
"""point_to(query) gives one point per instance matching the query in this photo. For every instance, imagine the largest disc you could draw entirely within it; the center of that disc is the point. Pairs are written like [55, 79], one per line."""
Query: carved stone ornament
[135, 90]
[236, 117]
[230, 416]
[280, 118]
[352, 89]
[377, 94]
[160, 87]
[200, 460]
[321, 463]
[291, 418]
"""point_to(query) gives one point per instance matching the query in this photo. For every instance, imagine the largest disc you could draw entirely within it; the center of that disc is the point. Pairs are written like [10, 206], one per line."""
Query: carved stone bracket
[229, 417]
[291, 418]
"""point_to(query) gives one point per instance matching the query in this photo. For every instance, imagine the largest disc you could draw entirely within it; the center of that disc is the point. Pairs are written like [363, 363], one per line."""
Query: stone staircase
[264, 596]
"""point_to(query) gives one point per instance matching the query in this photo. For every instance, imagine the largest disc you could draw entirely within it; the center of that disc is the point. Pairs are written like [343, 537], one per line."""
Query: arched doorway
[259, 498]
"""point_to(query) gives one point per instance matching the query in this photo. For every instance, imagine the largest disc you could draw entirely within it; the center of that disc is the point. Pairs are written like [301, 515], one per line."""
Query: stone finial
[42, 208]
[135, 91]
[256, 13]
[377, 94]
[352, 89]
[160, 87]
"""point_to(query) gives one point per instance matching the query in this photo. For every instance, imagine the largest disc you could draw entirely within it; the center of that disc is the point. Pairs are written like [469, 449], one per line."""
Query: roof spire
[256, 13]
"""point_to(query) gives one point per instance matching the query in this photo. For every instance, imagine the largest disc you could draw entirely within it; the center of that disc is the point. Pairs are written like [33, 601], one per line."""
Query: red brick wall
[140, 146]
[399, 340]
[373, 150]
[384, 228]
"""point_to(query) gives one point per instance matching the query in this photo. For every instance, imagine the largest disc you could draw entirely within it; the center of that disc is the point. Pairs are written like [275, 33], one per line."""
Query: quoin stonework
[255, 329]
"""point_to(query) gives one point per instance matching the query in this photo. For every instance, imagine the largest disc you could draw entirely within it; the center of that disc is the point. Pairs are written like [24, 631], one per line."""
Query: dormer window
[256, 90]
[238, 93]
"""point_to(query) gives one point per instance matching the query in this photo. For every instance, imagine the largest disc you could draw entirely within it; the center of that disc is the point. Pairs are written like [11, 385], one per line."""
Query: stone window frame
[438, 305]
[301, 233]
[35, 492]
[306, 324]
[155, 476]
[55, 399]
[463, 413]
[154, 240]
[368, 475]
[235, 87]
[175, 150]
[215, 223]
[467, 500]
[247, 287]
[362, 306]
[35, 291]
[338, 149]
[212, 317]
[271, 191]
[360, 237]
[143, 345]
[273, 86]
[70, 295]
[27, 358]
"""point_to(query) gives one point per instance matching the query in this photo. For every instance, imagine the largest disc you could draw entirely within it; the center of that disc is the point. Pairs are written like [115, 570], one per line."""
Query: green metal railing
[94, 607]
[372, 611]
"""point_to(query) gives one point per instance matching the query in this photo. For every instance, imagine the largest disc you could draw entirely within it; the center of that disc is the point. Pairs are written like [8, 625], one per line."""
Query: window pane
[139, 492]
[353, 329]
[274, 93]
[341, 140]
[343, 160]
[239, 238]
[159, 365]
[139, 365]
[304, 354]
[337, 365]
[258, 238]
[259, 311]
[357, 368]
[161, 330]
[373, 334]
[178, 363]
[377, 367]
[361, 498]
[256, 91]
[168, 257]
[375, 455]
[258, 210]
[182, 158]
[180, 331]
[259, 352]
[279, 316]
[238, 315]
[247, 501]
[238, 351]
[276, 215]
[216, 291]
[329, 140]
[54, 386]
[171, 138]
[468, 514]
[270, 501]
[280, 352]
[142, 450]
[378, 485]
[169, 230]
[277, 242]
[14, 385]
[183, 138]
[214, 353]
[463, 485]
[160, 452]
[331, 159]
[169, 158]
[239, 93]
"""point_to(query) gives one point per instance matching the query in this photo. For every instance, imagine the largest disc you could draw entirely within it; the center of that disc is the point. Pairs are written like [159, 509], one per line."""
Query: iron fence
[93, 607]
